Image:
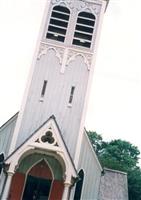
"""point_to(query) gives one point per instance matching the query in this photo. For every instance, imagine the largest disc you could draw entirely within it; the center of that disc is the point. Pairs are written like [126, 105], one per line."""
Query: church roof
[39, 140]
[9, 120]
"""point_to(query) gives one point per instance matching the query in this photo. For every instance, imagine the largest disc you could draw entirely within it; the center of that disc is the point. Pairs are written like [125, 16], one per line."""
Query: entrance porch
[37, 177]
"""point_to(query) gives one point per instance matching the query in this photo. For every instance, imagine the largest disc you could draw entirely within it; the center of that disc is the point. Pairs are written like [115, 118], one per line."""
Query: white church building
[45, 153]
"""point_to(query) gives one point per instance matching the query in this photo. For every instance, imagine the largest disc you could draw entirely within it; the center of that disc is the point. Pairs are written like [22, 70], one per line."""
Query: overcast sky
[115, 102]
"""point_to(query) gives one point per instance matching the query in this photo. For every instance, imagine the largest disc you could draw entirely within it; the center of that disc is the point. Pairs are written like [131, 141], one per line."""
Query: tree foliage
[120, 155]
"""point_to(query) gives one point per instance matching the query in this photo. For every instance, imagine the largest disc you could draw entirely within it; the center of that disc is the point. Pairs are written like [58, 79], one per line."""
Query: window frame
[79, 185]
[58, 32]
[82, 30]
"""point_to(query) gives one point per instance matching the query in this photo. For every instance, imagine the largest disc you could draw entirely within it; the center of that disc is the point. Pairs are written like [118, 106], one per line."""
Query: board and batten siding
[6, 133]
[62, 65]
[92, 170]
[56, 99]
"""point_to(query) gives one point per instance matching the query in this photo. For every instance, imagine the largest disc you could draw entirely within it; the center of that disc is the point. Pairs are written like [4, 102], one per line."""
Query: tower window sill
[69, 105]
[41, 100]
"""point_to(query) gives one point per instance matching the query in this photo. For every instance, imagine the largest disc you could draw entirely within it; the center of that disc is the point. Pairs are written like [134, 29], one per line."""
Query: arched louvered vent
[58, 23]
[84, 29]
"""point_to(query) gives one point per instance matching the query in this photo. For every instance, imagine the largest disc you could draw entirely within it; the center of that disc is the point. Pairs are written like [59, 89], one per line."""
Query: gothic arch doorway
[38, 177]
[38, 182]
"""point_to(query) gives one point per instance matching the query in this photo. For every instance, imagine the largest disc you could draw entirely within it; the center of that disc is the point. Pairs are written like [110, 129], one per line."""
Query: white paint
[2, 181]
[114, 107]
[66, 191]
[7, 185]
[6, 134]
[79, 142]
[89, 163]
[16, 131]
[31, 146]
[46, 67]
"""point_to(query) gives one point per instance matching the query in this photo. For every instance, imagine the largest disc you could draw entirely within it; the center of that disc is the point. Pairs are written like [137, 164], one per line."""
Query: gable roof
[47, 138]
[14, 117]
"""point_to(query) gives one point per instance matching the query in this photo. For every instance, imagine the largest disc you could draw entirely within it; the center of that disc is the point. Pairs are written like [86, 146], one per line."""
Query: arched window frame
[58, 23]
[84, 29]
[79, 185]
[34, 165]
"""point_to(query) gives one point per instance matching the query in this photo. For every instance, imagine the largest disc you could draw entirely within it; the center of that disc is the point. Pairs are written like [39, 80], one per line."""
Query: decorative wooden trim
[65, 56]
[35, 144]
[73, 54]
[90, 6]
[59, 51]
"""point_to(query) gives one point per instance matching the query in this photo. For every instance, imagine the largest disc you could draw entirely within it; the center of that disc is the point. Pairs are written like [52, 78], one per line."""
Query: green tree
[96, 141]
[134, 184]
[120, 155]
[123, 155]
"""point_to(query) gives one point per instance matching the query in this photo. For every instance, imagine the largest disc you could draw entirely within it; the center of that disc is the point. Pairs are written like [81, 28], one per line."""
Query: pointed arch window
[38, 182]
[84, 29]
[1, 161]
[79, 184]
[58, 23]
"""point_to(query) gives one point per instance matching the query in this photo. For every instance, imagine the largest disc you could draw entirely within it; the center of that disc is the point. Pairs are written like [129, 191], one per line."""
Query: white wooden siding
[92, 170]
[55, 101]
[6, 133]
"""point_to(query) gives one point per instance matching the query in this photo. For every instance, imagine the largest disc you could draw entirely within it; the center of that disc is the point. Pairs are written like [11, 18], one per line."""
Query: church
[45, 153]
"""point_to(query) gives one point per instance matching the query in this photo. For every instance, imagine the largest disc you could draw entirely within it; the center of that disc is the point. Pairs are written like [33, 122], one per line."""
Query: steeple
[49, 146]
[62, 71]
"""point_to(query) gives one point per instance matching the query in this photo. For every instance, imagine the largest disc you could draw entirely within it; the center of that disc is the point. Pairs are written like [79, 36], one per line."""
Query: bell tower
[62, 70]
[46, 140]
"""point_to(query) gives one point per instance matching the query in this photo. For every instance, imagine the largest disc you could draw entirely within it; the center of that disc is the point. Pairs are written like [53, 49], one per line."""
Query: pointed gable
[47, 139]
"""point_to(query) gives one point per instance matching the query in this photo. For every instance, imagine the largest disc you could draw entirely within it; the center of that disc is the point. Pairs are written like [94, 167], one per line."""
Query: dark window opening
[71, 94]
[60, 15]
[87, 15]
[84, 29]
[83, 36]
[58, 23]
[85, 21]
[81, 43]
[36, 188]
[79, 184]
[44, 88]
[57, 30]
[1, 161]
[62, 9]
[55, 37]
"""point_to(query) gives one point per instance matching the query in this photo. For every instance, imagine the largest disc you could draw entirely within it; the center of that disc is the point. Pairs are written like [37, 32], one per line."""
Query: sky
[114, 108]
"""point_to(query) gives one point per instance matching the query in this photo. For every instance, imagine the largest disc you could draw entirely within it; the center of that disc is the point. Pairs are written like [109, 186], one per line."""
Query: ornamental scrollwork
[47, 138]
[93, 8]
[62, 2]
[77, 5]
[59, 51]
[73, 54]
